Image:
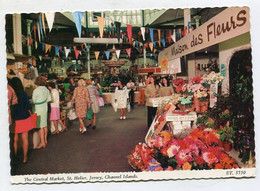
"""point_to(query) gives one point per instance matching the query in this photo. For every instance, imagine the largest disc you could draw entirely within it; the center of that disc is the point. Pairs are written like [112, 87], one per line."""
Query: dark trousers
[151, 112]
[131, 98]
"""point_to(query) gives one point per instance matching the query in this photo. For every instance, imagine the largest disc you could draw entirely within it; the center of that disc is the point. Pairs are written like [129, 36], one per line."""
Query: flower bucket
[227, 146]
[204, 106]
[196, 105]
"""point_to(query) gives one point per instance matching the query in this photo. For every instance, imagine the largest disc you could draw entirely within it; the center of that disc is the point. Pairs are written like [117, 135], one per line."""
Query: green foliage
[227, 134]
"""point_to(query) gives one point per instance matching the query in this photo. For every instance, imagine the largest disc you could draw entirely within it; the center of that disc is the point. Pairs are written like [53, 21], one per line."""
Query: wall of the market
[227, 49]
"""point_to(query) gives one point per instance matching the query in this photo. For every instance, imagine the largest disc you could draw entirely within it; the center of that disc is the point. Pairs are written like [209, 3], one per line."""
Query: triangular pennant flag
[101, 22]
[118, 25]
[40, 24]
[80, 53]
[151, 46]
[50, 20]
[57, 49]
[154, 50]
[97, 54]
[47, 48]
[129, 33]
[58, 54]
[43, 47]
[76, 53]
[143, 32]
[159, 37]
[151, 34]
[136, 43]
[67, 51]
[128, 51]
[107, 54]
[140, 44]
[61, 48]
[154, 44]
[174, 35]
[169, 37]
[163, 42]
[39, 33]
[43, 23]
[40, 57]
[118, 53]
[77, 16]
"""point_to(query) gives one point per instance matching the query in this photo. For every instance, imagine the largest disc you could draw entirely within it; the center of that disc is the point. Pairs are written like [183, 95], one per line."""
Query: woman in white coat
[121, 98]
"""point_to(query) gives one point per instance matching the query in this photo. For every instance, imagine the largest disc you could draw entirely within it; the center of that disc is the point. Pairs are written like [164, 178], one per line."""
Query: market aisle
[101, 150]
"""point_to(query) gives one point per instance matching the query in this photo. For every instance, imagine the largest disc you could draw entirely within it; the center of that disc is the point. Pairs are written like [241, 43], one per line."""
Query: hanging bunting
[140, 44]
[40, 57]
[154, 44]
[107, 54]
[128, 51]
[34, 32]
[29, 41]
[170, 36]
[96, 54]
[136, 43]
[39, 33]
[118, 53]
[67, 51]
[43, 47]
[50, 20]
[77, 16]
[151, 46]
[143, 32]
[63, 52]
[151, 34]
[159, 37]
[101, 22]
[129, 33]
[43, 23]
[163, 42]
[74, 48]
[58, 54]
[40, 24]
[154, 50]
[118, 25]
[189, 27]
[57, 49]
[61, 48]
[76, 53]
[174, 36]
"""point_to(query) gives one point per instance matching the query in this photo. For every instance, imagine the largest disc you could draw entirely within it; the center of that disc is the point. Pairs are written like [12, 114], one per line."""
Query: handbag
[34, 119]
[89, 113]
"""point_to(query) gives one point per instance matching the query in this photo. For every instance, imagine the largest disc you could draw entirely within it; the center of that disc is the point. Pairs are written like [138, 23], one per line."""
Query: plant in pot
[201, 100]
[227, 135]
[185, 103]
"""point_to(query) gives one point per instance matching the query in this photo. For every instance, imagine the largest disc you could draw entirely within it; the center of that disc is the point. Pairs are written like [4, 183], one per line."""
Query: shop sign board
[188, 117]
[174, 67]
[231, 22]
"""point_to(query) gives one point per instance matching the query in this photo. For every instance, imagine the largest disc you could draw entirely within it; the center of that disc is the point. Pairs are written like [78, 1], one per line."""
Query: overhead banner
[50, 20]
[118, 53]
[77, 16]
[231, 22]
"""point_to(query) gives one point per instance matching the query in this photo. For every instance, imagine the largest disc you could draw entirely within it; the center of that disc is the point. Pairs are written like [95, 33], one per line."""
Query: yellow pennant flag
[43, 23]
[47, 48]
[101, 22]
[97, 54]
[151, 46]
[159, 37]
[154, 50]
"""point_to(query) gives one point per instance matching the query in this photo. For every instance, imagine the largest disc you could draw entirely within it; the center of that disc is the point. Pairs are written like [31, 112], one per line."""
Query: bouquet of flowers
[191, 88]
[199, 150]
[201, 95]
[196, 80]
[213, 78]
[178, 84]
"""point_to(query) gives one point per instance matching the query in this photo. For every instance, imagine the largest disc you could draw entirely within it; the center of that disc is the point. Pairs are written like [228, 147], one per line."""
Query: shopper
[23, 121]
[55, 108]
[131, 86]
[166, 89]
[72, 85]
[121, 97]
[151, 91]
[82, 102]
[150, 74]
[141, 87]
[12, 100]
[41, 96]
[93, 93]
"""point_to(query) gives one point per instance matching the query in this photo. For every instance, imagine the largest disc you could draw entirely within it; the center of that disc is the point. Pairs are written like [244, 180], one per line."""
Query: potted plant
[203, 98]
[227, 135]
[185, 103]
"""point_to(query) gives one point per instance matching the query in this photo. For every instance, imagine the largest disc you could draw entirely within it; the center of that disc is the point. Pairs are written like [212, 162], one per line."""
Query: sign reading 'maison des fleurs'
[228, 24]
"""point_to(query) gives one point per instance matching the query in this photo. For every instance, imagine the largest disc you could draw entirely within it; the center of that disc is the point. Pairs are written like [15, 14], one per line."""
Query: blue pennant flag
[107, 54]
[109, 28]
[57, 49]
[77, 16]
[40, 23]
[136, 43]
[154, 45]
[43, 47]
[151, 34]
[63, 52]
[163, 42]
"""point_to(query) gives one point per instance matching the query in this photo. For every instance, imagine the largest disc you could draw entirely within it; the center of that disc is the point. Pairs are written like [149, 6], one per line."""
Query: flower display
[179, 83]
[212, 78]
[191, 88]
[185, 101]
[196, 80]
[199, 150]
[201, 95]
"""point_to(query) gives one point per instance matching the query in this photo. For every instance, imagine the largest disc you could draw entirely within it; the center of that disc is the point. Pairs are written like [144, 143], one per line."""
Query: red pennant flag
[128, 50]
[61, 48]
[76, 53]
[129, 33]
[170, 36]
[183, 32]
[82, 47]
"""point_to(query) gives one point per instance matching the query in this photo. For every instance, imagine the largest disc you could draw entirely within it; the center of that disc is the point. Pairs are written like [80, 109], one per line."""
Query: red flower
[196, 80]
[199, 160]
[183, 156]
[209, 157]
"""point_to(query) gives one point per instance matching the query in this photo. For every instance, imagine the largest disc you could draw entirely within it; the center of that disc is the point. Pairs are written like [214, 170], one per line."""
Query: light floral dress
[81, 100]
[121, 95]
